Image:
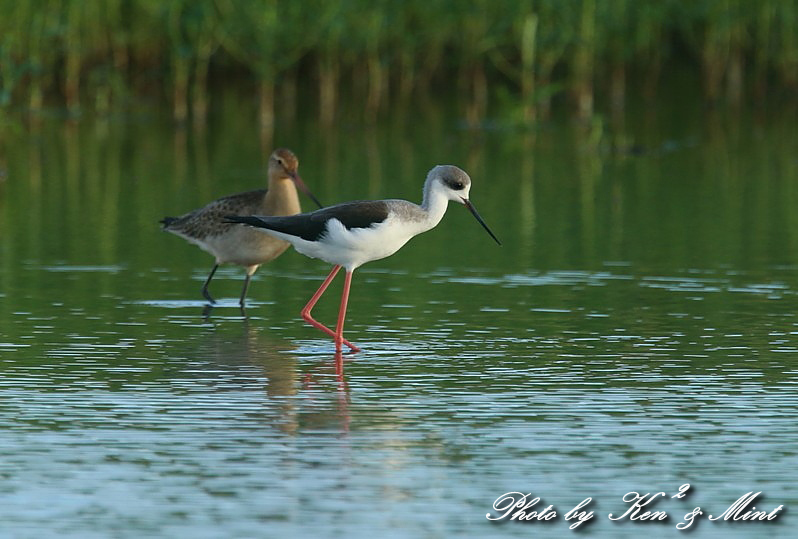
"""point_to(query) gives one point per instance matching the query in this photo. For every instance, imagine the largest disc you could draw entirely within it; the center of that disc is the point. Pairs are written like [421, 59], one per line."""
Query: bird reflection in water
[294, 400]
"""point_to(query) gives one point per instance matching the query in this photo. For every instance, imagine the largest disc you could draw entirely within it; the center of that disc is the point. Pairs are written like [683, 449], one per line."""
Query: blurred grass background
[102, 55]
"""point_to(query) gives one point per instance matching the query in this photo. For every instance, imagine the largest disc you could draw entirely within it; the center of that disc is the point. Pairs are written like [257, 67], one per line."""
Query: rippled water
[619, 341]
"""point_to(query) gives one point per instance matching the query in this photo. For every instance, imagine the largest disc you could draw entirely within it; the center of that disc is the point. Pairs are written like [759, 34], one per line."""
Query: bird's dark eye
[456, 185]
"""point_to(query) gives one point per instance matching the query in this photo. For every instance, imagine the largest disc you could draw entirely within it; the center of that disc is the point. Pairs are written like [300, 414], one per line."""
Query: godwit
[234, 244]
[350, 234]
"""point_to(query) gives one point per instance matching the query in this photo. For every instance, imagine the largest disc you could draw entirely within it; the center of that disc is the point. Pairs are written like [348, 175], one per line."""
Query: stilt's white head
[453, 183]
[451, 180]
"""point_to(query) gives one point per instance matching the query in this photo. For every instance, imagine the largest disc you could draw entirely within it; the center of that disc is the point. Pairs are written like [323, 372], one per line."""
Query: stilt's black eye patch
[455, 183]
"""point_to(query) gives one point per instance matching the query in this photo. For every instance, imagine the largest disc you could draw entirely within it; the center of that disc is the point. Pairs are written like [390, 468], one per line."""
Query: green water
[636, 331]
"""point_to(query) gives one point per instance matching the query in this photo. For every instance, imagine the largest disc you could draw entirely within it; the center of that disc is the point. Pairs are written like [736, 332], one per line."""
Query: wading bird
[234, 244]
[350, 234]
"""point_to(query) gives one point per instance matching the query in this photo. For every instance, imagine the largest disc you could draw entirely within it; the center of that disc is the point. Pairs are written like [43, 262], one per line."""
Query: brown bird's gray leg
[250, 271]
[244, 291]
[205, 293]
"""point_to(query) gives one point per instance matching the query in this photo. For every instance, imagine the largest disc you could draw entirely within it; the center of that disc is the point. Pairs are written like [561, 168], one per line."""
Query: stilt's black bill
[298, 181]
[473, 211]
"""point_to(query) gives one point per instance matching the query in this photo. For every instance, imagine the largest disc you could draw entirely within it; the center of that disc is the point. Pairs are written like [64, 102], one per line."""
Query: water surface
[636, 331]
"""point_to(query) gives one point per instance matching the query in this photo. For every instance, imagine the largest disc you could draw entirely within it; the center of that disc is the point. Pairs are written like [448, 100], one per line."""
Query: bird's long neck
[434, 206]
[282, 198]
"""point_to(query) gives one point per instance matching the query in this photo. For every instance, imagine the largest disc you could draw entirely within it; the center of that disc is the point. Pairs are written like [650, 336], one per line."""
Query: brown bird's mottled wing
[210, 220]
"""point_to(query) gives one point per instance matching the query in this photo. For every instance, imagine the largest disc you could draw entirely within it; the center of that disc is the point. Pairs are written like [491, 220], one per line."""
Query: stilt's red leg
[339, 369]
[312, 303]
[339, 327]
[313, 300]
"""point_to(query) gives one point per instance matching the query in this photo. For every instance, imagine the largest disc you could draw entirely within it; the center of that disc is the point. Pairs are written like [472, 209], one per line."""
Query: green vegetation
[99, 54]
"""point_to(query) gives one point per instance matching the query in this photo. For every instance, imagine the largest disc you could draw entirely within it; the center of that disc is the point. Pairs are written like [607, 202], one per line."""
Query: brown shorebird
[241, 245]
[353, 233]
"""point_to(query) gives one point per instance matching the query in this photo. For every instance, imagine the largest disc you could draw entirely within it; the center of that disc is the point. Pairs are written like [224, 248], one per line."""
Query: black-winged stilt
[233, 244]
[350, 234]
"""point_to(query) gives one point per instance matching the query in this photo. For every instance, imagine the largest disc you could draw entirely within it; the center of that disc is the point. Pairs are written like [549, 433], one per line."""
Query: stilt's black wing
[311, 226]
